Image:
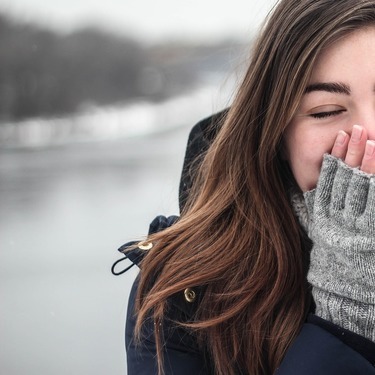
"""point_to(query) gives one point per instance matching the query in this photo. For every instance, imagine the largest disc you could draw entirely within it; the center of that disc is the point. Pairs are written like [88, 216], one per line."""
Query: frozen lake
[64, 212]
[72, 191]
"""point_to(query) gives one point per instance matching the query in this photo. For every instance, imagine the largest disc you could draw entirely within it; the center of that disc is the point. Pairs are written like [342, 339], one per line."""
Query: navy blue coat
[321, 348]
[317, 351]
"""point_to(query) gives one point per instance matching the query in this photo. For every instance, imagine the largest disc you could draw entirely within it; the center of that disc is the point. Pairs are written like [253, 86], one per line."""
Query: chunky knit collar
[299, 206]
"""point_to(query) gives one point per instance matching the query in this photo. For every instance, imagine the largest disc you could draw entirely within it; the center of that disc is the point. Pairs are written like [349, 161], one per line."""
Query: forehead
[350, 52]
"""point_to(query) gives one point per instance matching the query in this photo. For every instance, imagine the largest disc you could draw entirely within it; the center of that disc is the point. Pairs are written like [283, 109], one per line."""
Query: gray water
[64, 211]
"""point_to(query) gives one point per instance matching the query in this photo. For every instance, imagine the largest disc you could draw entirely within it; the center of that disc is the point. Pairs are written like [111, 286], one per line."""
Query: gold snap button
[145, 245]
[190, 295]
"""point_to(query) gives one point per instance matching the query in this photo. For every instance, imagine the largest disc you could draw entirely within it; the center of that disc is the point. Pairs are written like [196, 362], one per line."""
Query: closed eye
[322, 115]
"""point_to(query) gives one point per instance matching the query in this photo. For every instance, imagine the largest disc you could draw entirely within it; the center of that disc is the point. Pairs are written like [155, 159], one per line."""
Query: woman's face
[340, 95]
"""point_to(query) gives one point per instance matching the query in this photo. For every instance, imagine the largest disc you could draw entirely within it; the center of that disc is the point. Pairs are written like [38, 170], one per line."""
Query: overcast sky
[149, 20]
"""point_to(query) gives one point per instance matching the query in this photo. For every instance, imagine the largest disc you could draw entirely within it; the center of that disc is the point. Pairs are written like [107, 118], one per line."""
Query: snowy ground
[68, 201]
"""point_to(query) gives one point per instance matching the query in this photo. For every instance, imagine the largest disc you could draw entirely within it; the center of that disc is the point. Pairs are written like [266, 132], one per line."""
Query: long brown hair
[238, 238]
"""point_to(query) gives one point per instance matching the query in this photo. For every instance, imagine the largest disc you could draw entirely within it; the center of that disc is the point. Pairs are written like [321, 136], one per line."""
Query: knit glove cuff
[342, 227]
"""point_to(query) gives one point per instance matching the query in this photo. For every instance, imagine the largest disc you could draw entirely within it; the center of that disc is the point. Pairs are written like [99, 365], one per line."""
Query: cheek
[304, 151]
[305, 167]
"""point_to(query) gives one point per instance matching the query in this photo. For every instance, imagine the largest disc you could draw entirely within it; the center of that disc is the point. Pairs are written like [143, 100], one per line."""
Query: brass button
[145, 245]
[190, 295]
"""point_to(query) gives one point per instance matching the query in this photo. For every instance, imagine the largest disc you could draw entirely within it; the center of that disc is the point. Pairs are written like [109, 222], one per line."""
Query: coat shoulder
[316, 351]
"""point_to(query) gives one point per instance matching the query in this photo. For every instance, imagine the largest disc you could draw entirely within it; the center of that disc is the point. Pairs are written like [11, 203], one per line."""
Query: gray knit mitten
[342, 227]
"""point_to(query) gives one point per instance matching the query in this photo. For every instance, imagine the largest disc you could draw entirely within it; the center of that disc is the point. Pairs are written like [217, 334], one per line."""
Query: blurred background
[96, 102]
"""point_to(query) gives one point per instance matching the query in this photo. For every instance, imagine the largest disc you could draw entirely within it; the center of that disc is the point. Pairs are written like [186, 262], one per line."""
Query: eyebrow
[334, 87]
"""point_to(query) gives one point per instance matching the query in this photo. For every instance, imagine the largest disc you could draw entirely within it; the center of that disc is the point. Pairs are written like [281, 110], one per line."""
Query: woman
[226, 288]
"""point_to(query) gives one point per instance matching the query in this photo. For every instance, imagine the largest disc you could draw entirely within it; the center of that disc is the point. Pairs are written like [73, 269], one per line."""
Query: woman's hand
[342, 228]
[355, 150]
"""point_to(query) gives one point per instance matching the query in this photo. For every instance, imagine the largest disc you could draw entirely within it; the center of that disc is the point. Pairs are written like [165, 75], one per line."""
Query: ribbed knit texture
[342, 265]
[299, 207]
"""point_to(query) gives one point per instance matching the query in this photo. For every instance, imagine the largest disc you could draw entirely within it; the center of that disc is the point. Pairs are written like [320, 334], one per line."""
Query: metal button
[190, 295]
[145, 245]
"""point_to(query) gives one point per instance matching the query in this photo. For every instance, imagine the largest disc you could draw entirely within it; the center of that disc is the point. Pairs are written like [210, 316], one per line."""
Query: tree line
[43, 73]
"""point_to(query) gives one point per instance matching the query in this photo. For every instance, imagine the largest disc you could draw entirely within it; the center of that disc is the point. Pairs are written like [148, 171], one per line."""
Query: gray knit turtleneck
[341, 212]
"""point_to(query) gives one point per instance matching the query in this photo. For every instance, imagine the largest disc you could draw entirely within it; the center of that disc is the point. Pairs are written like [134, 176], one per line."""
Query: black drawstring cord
[136, 253]
[124, 270]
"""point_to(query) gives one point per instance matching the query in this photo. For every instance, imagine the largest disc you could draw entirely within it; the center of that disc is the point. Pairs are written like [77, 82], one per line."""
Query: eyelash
[322, 115]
